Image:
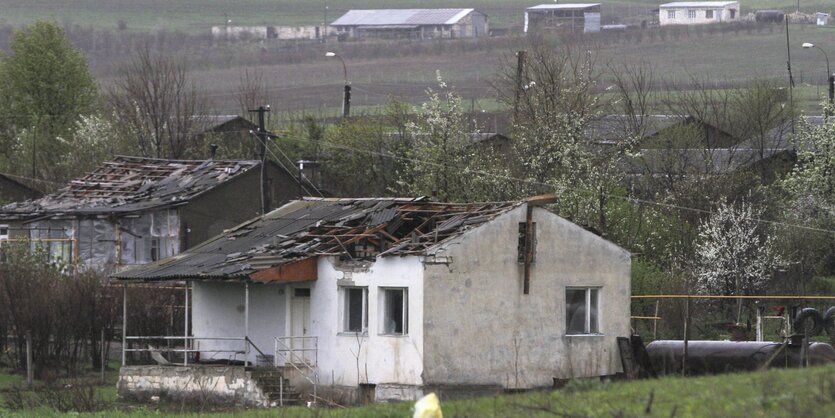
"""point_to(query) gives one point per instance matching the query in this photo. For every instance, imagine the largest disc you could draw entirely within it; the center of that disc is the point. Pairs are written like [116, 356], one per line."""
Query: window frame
[345, 310]
[671, 14]
[384, 308]
[587, 331]
[709, 14]
[691, 14]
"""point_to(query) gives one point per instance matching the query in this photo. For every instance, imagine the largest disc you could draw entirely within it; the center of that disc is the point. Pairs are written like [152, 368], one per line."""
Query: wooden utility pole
[262, 139]
[520, 69]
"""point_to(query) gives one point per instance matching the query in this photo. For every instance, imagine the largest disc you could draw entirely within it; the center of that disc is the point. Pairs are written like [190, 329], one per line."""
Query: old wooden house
[134, 210]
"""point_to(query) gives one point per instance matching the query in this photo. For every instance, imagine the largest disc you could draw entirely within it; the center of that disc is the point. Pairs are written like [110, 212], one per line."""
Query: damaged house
[389, 298]
[135, 210]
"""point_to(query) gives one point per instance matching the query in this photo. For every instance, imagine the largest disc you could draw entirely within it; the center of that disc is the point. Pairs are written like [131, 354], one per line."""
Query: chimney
[213, 151]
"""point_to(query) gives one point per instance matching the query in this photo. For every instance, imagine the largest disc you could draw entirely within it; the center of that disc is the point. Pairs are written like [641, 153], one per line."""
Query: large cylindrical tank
[710, 357]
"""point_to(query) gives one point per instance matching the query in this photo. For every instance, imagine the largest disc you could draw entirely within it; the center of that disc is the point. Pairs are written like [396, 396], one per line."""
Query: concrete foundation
[204, 384]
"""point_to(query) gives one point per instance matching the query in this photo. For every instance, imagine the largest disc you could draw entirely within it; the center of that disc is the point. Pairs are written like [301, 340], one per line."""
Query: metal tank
[711, 357]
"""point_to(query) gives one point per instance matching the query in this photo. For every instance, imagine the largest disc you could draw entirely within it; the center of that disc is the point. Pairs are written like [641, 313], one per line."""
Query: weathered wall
[204, 384]
[480, 329]
[471, 26]
[218, 311]
[234, 202]
[386, 359]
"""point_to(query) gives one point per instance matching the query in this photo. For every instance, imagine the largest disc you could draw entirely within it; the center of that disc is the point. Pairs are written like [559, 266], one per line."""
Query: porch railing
[300, 353]
[189, 346]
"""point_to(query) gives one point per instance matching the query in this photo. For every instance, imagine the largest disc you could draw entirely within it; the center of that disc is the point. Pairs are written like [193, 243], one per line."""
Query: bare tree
[156, 104]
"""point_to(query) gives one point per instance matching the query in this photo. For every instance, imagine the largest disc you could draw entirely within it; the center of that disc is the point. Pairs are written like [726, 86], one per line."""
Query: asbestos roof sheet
[131, 184]
[564, 6]
[389, 17]
[698, 4]
[356, 229]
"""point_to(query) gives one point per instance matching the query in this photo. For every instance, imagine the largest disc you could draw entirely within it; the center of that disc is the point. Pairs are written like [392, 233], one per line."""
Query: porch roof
[274, 247]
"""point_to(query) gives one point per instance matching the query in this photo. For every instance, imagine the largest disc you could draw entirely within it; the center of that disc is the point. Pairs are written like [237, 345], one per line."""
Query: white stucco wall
[387, 359]
[481, 329]
[720, 14]
[218, 311]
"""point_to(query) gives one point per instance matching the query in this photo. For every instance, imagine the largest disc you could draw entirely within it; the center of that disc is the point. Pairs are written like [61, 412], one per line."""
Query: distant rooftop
[132, 184]
[394, 17]
[698, 4]
[563, 6]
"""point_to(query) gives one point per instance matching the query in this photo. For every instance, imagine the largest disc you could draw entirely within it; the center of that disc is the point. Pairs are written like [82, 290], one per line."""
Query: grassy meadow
[200, 15]
[794, 392]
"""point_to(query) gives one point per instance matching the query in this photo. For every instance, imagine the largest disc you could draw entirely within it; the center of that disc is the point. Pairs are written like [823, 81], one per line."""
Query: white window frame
[587, 326]
[671, 14]
[383, 309]
[709, 14]
[4, 237]
[346, 310]
[691, 14]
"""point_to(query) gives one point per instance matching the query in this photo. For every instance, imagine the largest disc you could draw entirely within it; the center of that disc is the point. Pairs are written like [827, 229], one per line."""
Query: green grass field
[199, 15]
[794, 392]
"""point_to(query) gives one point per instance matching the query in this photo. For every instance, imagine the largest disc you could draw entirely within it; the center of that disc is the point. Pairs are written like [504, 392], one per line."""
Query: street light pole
[830, 78]
[346, 96]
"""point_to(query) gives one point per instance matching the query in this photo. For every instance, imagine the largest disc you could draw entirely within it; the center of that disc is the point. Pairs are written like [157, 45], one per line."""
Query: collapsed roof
[302, 230]
[131, 184]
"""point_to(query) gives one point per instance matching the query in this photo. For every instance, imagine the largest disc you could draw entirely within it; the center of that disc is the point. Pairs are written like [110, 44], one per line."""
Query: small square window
[355, 309]
[691, 14]
[581, 309]
[708, 14]
[394, 315]
[671, 14]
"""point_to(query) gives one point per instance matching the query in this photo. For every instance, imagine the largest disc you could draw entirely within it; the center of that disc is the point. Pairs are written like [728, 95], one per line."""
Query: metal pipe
[185, 330]
[124, 321]
[246, 324]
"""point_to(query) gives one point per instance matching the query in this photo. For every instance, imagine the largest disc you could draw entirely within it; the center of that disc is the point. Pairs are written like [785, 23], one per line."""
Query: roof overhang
[304, 270]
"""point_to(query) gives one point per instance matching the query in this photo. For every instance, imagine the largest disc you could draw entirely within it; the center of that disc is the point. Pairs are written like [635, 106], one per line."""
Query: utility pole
[520, 69]
[262, 139]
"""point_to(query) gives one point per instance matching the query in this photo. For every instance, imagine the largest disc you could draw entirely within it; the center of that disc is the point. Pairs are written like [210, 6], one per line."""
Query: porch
[234, 346]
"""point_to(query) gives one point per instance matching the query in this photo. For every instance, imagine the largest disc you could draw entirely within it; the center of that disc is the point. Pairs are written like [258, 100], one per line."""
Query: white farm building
[698, 12]
[412, 23]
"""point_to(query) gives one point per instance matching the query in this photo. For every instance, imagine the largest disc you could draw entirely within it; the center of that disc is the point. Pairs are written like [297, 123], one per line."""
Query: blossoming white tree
[734, 255]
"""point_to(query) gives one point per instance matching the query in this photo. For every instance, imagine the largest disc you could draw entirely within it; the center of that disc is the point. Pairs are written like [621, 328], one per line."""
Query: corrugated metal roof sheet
[130, 184]
[394, 17]
[316, 227]
[563, 6]
[698, 4]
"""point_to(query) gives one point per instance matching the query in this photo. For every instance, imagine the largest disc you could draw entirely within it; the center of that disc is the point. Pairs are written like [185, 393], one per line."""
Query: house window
[154, 249]
[671, 14]
[355, 309]
[4, 232]
[708, 14]
[524, 239]
[394, 318]
[581, 309]
[691, 14]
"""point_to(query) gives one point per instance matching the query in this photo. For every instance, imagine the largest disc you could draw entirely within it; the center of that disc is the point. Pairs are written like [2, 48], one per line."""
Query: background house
[412, 23]
[698, 12]
[134, 210]
[566, 17]
[12, 190]
[405, 295]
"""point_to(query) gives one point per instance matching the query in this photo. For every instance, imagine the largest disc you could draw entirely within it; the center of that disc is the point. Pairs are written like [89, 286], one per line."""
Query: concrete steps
[272, 382]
